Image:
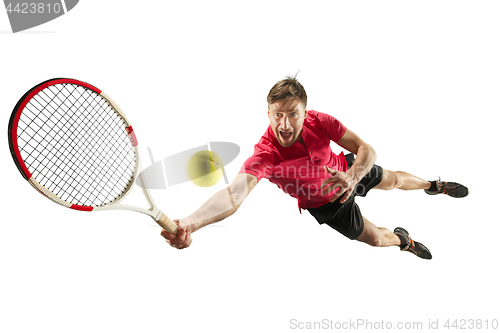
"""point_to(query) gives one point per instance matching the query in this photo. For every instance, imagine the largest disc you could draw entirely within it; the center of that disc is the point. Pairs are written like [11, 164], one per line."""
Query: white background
[419, 81]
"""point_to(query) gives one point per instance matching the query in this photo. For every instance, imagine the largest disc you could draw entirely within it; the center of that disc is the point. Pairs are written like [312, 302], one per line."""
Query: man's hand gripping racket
[73, 144]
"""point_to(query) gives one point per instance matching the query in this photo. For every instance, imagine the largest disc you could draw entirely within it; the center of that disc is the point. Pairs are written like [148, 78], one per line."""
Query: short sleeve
[332, 126]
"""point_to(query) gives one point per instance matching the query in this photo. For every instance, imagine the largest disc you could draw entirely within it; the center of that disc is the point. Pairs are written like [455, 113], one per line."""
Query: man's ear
[305, 113]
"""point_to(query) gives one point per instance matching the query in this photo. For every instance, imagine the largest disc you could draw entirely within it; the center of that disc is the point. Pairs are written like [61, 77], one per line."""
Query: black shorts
[346, 218]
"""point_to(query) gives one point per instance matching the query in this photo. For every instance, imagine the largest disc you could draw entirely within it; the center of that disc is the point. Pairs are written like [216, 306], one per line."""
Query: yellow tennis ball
[205, 168]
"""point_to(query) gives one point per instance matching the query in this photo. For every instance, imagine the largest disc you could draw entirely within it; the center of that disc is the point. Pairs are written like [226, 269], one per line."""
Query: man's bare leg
[375, 236]
[401, 180]
[382, 237]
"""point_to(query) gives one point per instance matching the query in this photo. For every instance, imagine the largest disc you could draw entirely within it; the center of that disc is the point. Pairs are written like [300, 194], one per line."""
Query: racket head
[73, 144]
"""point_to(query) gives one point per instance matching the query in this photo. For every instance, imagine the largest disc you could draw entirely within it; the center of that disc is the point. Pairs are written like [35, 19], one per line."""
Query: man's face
[286, 118]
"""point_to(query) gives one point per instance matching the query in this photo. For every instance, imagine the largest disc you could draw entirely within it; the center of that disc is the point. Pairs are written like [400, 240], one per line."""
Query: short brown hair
[288, 88]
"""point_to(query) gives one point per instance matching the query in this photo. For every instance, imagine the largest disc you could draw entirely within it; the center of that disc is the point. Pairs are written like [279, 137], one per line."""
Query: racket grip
[166, 223]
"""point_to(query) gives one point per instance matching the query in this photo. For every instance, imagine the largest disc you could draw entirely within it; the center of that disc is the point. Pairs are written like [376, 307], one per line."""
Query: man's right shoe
[455, 190]
[418, 249]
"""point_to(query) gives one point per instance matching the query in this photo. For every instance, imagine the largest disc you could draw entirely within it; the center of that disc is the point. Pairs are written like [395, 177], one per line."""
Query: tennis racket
[73, 144]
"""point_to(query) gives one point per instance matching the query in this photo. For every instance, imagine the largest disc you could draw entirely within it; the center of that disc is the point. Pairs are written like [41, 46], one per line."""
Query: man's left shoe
[452, 189]
[418, 249]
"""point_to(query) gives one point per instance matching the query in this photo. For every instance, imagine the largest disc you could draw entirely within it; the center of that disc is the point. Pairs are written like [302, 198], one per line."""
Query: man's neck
[300, 140]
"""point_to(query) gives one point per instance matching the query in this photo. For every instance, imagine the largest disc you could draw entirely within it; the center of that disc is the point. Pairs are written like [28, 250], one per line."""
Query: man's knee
[400, 179]
[374, 240]
[395, 179]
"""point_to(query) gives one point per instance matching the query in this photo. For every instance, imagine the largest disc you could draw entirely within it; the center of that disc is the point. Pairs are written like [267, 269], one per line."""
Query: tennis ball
[205, 168]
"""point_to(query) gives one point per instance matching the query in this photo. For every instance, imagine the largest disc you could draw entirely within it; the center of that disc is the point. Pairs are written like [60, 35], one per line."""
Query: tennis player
[295, 154]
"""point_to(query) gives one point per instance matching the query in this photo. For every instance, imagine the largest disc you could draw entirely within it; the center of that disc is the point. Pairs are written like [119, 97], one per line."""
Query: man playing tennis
[294, 153]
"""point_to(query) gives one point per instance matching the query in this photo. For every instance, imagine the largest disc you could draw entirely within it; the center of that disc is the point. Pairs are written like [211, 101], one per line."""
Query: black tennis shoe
[418, 249]
[452, 189]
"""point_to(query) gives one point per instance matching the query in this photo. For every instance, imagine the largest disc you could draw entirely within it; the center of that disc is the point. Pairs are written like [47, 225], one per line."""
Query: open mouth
[286, 135]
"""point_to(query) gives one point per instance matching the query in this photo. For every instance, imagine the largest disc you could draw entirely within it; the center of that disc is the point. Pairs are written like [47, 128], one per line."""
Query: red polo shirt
[299, 169]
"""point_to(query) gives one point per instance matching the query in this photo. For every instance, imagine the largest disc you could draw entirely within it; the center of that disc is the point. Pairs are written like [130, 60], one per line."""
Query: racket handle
[166, 223]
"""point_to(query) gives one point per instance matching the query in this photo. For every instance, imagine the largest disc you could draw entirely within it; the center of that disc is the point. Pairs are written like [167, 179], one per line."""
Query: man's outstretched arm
[221, 205]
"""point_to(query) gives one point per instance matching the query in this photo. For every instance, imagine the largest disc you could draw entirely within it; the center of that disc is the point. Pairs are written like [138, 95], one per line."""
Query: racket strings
[101, 131]
[75, 144]
[86, 157]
